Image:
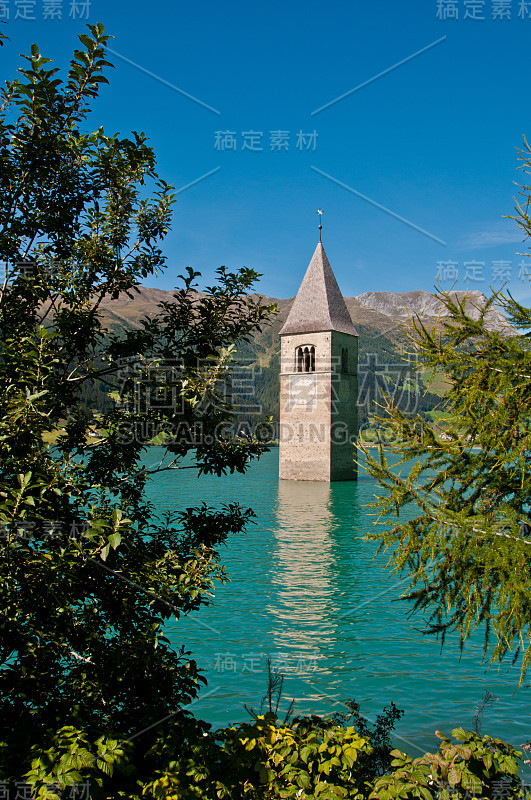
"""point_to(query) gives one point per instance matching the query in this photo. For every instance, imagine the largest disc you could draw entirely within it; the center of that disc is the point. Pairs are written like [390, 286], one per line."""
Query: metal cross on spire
[320, 212]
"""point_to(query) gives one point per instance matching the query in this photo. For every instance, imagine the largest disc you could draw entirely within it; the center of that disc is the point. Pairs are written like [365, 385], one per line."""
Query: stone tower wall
[318, 412]
[344, 421]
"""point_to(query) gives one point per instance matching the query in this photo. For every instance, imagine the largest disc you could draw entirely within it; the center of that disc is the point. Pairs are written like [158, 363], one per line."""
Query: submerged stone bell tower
[318, 381]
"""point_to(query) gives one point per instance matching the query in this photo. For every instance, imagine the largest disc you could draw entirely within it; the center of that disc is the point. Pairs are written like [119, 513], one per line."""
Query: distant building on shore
[318, 381]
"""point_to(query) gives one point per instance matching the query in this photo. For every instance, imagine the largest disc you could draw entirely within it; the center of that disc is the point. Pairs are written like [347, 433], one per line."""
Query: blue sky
[433, 140]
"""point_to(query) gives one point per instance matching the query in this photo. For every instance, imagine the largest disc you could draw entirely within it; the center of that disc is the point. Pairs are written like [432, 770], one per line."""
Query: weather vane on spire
[320, 212]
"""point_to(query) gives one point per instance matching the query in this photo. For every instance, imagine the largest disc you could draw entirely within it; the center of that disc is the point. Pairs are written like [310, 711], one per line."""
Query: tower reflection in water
[304, 603]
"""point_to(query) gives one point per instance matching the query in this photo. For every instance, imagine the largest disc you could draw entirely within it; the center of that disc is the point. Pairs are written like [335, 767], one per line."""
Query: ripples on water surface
[308, 593]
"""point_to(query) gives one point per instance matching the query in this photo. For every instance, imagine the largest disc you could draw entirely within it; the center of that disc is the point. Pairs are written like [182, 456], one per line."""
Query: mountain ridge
[383, 311]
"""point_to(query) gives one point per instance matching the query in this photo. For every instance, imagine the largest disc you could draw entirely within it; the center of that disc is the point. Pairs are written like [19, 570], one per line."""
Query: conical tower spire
[319, 304]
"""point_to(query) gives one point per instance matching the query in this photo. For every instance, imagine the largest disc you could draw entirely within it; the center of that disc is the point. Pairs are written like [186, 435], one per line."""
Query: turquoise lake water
[308, 592]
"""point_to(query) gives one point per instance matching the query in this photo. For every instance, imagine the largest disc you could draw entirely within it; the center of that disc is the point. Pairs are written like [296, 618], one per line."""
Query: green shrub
[72, 760]
[474, 767]
[264, 758]
[378, 761]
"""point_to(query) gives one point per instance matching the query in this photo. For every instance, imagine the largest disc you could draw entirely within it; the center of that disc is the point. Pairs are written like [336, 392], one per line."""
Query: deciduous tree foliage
[89, 571]
[463, 497]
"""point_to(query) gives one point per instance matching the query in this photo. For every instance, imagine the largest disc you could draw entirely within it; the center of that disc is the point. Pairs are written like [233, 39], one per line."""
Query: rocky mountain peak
[401, 305]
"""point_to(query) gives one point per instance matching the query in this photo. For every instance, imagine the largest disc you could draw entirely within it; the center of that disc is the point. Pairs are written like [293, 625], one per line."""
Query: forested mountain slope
[381, 319]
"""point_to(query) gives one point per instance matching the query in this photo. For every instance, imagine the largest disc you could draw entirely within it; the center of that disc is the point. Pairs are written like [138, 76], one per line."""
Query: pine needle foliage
[455, 511]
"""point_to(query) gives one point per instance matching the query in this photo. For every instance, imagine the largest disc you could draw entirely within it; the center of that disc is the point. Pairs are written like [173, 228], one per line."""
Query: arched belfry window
[344, 359]
[305, 358]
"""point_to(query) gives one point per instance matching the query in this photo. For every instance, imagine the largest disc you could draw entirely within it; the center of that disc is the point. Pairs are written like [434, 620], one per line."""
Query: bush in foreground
[266, 758]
